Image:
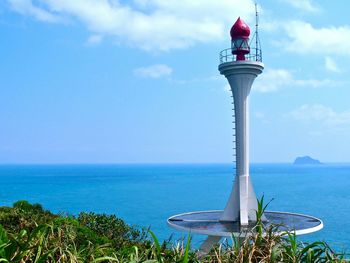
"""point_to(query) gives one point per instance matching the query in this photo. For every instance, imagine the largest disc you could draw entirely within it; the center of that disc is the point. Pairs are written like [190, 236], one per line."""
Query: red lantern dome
[240, 29]
[240, 32]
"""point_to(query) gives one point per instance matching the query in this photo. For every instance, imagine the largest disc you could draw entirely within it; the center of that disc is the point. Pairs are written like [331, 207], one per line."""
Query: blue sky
[97, 81]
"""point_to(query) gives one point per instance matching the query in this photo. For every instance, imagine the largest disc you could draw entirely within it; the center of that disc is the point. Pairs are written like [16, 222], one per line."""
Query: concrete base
[209, 223]
[207, 245]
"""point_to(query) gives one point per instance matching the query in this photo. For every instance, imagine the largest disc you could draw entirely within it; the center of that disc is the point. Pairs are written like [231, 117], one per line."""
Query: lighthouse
[241, 73]
[240, 65]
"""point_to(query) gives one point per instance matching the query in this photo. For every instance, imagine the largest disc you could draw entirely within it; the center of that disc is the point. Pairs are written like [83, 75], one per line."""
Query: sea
[145, 195]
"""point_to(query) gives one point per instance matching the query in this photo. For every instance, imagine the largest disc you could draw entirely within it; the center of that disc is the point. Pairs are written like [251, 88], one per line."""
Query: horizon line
[154, 163]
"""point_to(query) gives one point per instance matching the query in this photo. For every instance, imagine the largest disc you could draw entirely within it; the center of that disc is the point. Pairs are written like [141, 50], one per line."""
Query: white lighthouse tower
[238, 219]
[241, 73]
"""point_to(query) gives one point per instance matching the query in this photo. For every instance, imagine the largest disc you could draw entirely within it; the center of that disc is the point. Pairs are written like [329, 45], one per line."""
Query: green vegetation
[29, 233]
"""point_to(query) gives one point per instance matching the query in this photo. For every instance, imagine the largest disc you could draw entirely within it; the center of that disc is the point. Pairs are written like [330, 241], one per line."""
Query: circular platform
[208, 223]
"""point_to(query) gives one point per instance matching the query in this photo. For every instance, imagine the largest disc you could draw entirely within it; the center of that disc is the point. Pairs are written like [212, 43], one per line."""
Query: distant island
[304, 160]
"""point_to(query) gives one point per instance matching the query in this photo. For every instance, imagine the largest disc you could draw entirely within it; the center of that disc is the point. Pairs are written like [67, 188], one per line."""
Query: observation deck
[227, 56]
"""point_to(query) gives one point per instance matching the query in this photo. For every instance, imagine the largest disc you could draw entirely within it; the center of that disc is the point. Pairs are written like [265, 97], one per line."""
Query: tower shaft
[242, 203]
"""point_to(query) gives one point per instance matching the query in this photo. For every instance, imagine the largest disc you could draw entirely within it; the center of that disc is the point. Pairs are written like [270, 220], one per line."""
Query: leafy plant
[41, 236]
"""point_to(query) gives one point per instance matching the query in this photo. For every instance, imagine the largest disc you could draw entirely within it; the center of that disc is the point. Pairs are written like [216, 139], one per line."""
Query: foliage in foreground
[28, 233]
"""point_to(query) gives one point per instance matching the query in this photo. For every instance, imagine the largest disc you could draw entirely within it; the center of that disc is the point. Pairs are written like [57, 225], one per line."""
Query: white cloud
[261, 117]
[94, 39]
[321, 113]
[276, 79]
[227, 88]
[272, 80]
[151, 24]
[154, 71]
[330, 65]
[199, 79]
[304, 5]
[316, 83]
[306, 39]
[26, 7]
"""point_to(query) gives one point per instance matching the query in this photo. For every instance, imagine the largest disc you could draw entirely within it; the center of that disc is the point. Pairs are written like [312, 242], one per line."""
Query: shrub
[113, 228]
[42, 236]
[24, 215]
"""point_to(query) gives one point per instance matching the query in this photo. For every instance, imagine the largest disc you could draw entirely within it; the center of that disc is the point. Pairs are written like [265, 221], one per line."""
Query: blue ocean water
[146, 195]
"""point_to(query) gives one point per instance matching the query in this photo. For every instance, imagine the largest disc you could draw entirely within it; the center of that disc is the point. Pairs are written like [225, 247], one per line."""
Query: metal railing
[227, 56]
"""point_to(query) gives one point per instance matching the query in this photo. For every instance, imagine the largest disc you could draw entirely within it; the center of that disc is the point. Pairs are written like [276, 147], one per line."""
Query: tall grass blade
[156, 244]
[187, 249]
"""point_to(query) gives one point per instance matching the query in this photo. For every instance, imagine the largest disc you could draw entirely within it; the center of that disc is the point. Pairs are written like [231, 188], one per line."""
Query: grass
[29, 233]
